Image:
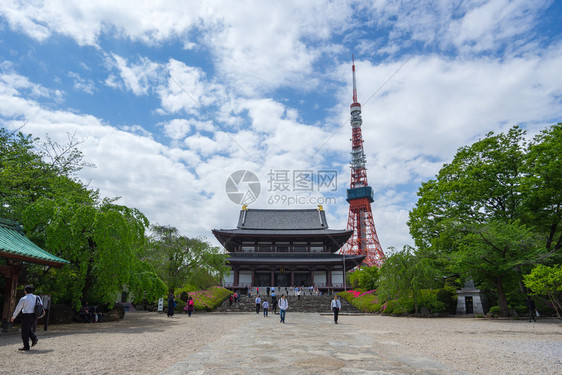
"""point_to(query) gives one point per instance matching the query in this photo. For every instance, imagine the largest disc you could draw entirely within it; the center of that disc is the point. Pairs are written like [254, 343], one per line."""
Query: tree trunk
[88, 279]
[502, 298]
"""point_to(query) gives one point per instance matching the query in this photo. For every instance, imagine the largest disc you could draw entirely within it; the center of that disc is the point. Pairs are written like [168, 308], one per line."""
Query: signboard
[46, 301]
[161, 304]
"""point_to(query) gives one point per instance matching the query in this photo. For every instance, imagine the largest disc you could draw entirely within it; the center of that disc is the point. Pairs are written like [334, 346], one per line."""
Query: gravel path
[474, 346]
[149, 343]
[142, 343]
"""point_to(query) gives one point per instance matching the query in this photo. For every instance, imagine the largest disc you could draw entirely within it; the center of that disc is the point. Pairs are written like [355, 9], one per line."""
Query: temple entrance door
[262, 279]
[282, 279]
[302, 278]
[469, 305]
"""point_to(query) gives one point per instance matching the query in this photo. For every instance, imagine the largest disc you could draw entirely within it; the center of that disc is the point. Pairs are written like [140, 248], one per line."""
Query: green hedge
[208, 300]
[367, 301]
[204, 300]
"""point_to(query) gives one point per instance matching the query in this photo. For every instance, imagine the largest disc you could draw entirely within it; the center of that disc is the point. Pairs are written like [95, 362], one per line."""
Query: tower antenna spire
[354, 83]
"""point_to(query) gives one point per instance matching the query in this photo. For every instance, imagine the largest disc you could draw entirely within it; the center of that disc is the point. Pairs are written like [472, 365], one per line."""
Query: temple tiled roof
[15, 245]
[306, 219]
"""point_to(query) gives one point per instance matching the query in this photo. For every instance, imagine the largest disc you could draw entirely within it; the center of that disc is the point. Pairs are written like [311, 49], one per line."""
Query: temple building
[284, 248]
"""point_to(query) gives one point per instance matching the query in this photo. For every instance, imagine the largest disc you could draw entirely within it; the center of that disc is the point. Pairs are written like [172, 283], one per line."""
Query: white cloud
[137, 78]
[468, 26]
[82, 84]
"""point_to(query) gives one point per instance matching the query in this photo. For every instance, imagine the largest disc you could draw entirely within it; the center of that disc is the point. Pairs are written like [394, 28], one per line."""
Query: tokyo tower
[364, 240]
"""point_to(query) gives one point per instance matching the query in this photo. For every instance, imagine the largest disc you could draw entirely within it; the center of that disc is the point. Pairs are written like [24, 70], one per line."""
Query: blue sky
[171, 97]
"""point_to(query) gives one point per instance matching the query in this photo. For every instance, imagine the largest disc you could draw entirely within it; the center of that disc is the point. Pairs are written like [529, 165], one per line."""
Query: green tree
[368, 277]
[29, 171]
[547, 281]
[475, 216]
[405, 274]
[100, 239]
[542, 192]
[102, 242]
[178, 259]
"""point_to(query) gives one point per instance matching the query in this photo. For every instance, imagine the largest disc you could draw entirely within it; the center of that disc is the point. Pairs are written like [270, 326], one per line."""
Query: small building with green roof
[16, 249]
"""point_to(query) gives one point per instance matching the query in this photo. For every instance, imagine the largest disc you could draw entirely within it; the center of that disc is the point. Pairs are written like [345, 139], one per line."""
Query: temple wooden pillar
[329, 278]
[272, 277]
[253, 277]
[10, 273]
[292, 277]
[236, 271]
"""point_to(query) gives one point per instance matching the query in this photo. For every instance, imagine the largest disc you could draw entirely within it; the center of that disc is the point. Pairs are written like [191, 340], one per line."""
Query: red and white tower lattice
[364, 240]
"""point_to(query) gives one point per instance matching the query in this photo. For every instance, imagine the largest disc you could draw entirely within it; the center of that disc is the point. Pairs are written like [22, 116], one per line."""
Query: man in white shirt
[258, 303]
[283, 306]
[336, 306]
[27, 307]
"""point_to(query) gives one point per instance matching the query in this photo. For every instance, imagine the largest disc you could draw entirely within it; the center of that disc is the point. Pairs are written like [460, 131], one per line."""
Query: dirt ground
[148, 343]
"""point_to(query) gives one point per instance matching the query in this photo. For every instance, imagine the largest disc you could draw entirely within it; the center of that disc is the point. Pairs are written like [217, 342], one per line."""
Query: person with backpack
[190, 306]
[26, 306]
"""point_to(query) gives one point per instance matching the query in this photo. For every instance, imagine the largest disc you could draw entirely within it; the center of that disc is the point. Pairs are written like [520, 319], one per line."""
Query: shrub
[428, 298]
[208, 300]
[398, 307]
[494, 311]
[184, 292]
[448, 296]
[179, 305]
[353, 278]
[365, 303]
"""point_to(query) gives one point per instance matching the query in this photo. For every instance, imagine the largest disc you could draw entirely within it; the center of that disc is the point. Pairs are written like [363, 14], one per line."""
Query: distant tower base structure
[364, 240]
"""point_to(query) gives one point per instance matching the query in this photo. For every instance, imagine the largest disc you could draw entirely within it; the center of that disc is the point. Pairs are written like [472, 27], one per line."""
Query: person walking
[190, 306]
[267, 291]
[236, 297]
[258, 303]
[171, 304]
[299, 294]
[532, 309]
[230, 298]
[283, 306]
[265, 306]
[26, 306]
[336, 307]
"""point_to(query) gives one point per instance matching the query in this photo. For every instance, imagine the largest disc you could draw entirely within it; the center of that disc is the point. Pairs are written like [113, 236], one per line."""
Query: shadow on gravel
[131, 324]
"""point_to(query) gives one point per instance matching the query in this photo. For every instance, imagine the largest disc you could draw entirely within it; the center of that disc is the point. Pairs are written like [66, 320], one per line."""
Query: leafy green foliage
[368, 278]
[405, 274]
[495, 210]
[100, 238]
[494, 311]
[210, 299]
[542, 187]
[547, 281]
[180, 260]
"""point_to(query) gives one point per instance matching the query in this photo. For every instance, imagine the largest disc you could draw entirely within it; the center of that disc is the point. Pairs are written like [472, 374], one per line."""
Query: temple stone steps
[319, 304]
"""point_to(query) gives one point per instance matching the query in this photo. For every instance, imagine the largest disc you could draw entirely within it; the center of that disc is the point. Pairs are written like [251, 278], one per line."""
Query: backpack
[39, 310]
